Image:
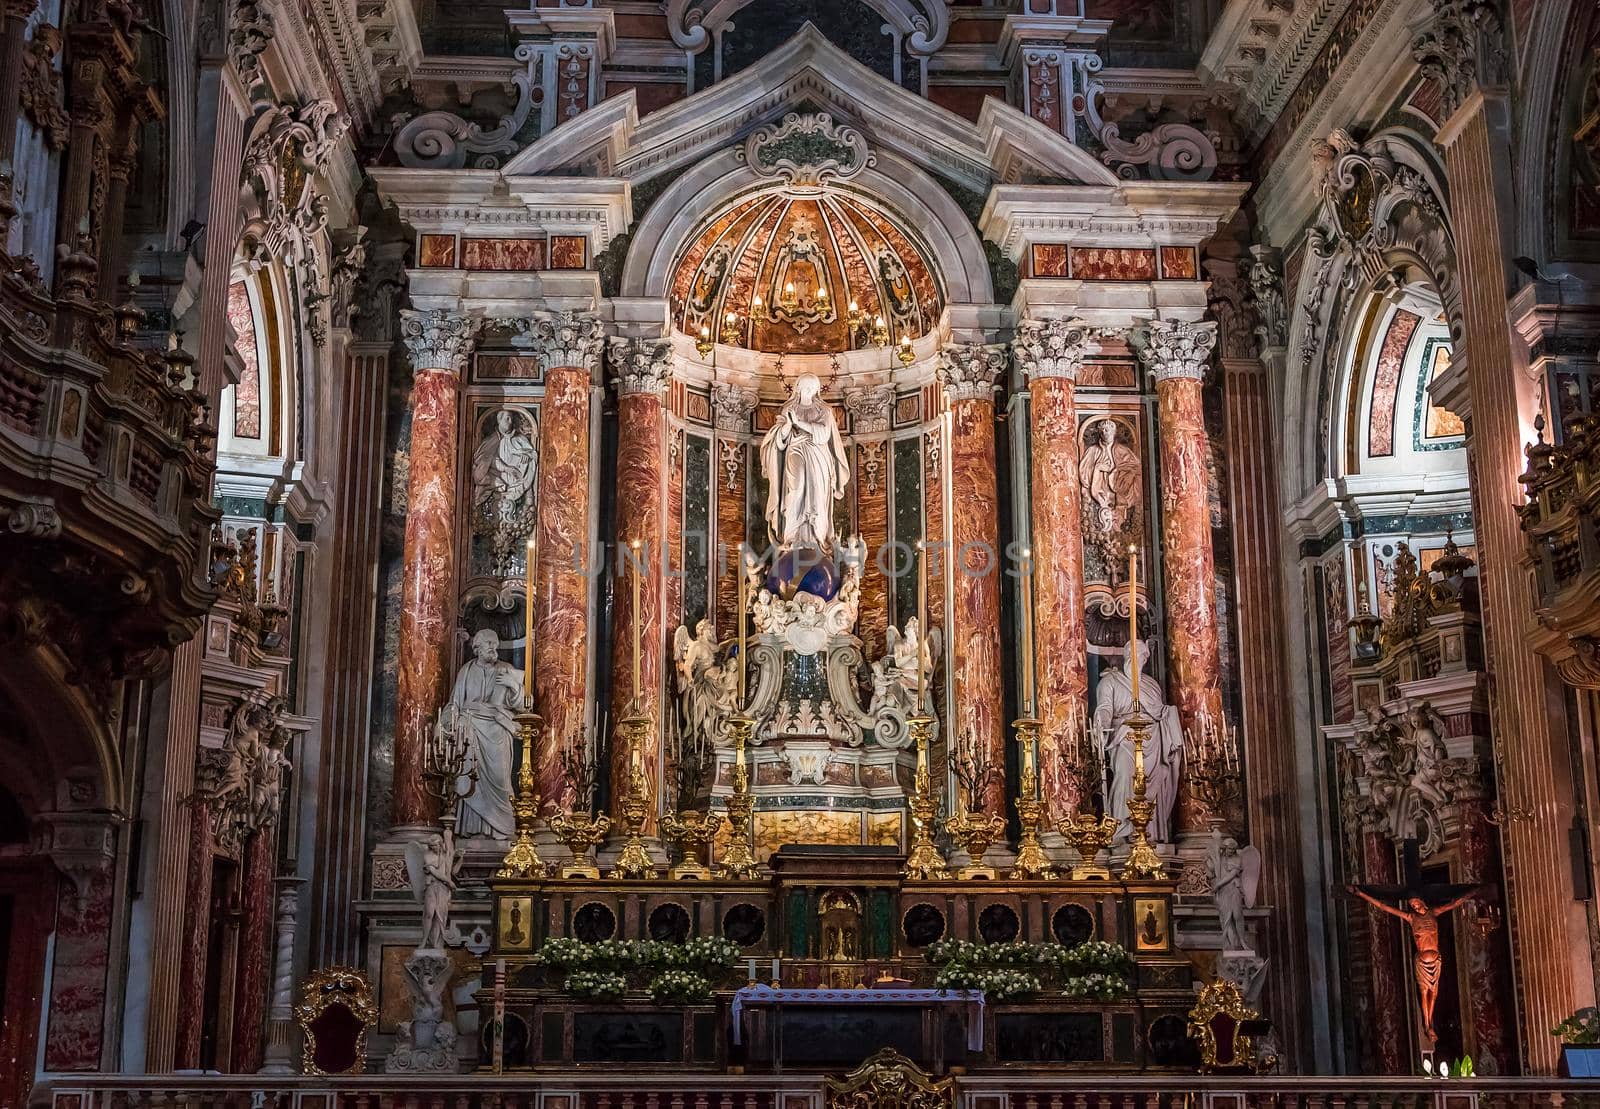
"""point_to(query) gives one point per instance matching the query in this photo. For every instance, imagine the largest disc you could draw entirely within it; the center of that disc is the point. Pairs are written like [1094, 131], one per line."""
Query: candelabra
[634, 861]
[444, 762]
[705, 344]
[854, 318]
[906, 355]
[880, 331]
[975, 833]
[1089, 836]
[1032, 862]
[1142, 862]
[730, 329]
[578, 833]
[924, 863]
[738, 861]
[1213, 775]
[693, 831]
[758, 310]
[522, 858]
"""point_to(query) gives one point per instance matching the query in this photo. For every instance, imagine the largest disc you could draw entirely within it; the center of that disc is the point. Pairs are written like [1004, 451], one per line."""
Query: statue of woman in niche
[806, 467]
[1163, 745]
[487, 696]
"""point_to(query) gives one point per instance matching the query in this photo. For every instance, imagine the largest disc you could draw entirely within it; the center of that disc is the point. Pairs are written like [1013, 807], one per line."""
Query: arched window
[253, 415]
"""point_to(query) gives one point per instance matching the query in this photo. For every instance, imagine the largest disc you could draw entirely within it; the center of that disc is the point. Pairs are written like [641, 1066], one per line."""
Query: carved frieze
[870, 408]
[731, 406]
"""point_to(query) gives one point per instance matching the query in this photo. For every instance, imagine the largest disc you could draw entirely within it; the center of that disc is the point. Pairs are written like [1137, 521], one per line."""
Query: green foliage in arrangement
[1095, 970]
[672, 973]
[1581, 1028]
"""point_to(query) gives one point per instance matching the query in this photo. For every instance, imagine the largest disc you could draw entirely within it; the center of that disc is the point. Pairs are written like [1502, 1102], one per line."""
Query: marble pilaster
[196, 917]
[440, 343]
[1051, 354]
[570, 347]
[731, 406]
[1178, 354]
[871, 409]
[1489, 982]
[255, 948]
[970, 373]
[1386, 1022]
[641, 372]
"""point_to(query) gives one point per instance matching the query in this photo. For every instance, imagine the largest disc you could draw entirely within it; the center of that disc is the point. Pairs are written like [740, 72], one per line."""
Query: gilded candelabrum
[522, 858]
[924, 863]
[1089, 836]
[634, 861]
[1032, 862]
[1142, 862]
[1213, 775]
[693, 832]
[578, 833]
[738, 860]
[975, 832]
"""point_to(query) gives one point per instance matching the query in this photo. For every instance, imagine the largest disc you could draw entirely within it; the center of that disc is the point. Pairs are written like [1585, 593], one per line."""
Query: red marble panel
[437, 252]
[427, 604]
[1337, 599]
[1387, 977]
[1386, 383]
[1191, 613]
[255, 940]
[921, 275]
[247, 393]
[1489, 983]
[196, 932]
[76, 1032]
[1060, 649]
[561, 606]
[1049, 260]
[975, 536]
[641, 484]
[569, 252]
[1113, 263]
[728, 229]
[1178, 263]
[503, 254]
[505, 367]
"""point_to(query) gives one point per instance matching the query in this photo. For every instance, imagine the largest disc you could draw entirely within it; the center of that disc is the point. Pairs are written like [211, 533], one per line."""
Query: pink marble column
[194, 943]
[255, 939]
[1178, 354]
[640, 371]
[570, 348]
[1488, 961]
[970, 372]
[1387, 1022]
[1051, 353]
[439, 343]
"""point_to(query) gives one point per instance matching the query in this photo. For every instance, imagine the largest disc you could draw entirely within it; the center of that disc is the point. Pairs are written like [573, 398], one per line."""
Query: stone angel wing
[682, 642]
[891, 640]
[417, 869]
[1250, 873]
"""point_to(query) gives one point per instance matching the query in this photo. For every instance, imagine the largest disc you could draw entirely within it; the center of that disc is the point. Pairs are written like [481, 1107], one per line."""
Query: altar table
[865, 1019]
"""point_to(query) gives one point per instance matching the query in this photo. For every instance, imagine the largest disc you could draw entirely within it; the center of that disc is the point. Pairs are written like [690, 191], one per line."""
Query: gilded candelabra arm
[522, 857]
[634, 860]
[1031, 862]
[445, 763]
[1142, 862]
[738, 859]
[924, 863]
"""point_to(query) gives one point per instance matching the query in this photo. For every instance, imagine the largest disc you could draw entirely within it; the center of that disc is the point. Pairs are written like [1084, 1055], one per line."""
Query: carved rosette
[1175, 349]
[804, 151]
[568, 339]
[971, 371]
[439, 339]
[732, 405]
[1054, 348]
[870, 408]
[640, 366]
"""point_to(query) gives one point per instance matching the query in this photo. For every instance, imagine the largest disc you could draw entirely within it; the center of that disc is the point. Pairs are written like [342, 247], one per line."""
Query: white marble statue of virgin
[1163, 745]
[487, 696]
[806, 468]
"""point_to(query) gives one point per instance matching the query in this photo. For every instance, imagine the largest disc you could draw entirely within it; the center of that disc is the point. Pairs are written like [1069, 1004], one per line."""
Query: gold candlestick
[528, 567]
[1088, 837]
[1027, 636]
[578, 833]
[738, 860]
[1032, 862]
[522, 858]
[634, 861]
[638, 575]
[1133, 618]
[1142, 862]
[693, 831]
[924, 863]
[744, 600]
[975, 832]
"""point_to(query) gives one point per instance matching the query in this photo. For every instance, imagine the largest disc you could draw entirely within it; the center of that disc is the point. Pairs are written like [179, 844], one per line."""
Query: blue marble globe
[804, 569]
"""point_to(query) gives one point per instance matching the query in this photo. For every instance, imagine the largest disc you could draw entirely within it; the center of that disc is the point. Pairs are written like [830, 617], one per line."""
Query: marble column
[255, 941]
[439, 343]
[731, 406]
[74, 1038]
[282, 1032]
[569, 347]
[1492, 1042]
[195, 915]
[1051, 353]
[1178, 354]
[13, 43]
[1386, 1023]
[970, 373]
[871, 410]
[641, 371]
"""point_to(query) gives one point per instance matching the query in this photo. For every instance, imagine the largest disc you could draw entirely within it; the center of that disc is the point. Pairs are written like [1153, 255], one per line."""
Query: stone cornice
[454, 200]
[1137, 214]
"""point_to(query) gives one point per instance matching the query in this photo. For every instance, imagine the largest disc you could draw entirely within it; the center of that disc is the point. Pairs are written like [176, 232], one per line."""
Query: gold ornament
[578, 833]
[693, 831]
[522, 858]
[1143, 863]
[924, 863]
[738, 861]
[634, 861]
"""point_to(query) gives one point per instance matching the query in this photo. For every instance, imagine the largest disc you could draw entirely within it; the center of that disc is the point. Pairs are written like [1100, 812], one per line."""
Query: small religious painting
[1113, 263]
[1049, 260]
[437, 252]
[502, 254]
[515, 930]
[1150, 927]
[569, 252]
[1178, 263]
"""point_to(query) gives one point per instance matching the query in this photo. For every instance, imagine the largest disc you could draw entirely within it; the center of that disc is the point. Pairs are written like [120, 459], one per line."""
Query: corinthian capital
[870, 408]
[640, 366]
[567, 340]
[1053, 348]
[1461, 48]
[1173, 349]
[732, 405]
[970, 371]
[438, 339]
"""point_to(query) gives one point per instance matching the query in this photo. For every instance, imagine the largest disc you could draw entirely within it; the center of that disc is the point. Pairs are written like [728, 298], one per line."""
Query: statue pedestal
[814, 791]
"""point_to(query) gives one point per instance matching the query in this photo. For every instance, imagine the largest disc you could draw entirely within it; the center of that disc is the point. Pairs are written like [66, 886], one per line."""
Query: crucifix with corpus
[1421, 906]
